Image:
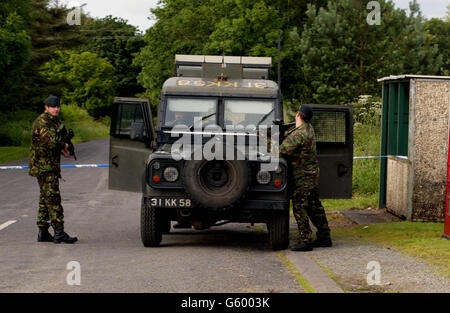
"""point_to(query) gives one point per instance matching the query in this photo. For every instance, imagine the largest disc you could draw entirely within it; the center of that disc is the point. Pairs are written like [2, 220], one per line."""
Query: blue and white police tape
[62, 166]
[380, 157]
[107, 165]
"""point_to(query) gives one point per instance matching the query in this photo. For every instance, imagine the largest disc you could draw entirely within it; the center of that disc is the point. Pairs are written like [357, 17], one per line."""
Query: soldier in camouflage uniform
[45, 156]
[299, 148]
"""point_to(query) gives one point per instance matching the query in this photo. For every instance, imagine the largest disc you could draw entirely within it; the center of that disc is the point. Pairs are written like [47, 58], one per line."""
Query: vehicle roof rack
[225, 67]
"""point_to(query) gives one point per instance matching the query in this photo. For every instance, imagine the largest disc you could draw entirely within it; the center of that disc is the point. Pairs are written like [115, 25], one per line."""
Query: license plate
[171, 202]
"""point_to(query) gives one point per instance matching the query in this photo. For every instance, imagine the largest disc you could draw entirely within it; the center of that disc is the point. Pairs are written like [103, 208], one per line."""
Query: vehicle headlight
[278, 170]
[263, 177]
[156, 165]
[171, 174]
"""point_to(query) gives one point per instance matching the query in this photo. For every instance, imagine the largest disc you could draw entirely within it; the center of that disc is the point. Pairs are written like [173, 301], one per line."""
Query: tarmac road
[229, 258]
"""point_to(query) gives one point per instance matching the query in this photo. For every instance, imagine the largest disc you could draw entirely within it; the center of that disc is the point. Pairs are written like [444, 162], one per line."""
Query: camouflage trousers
[307, 206]
[50, 202]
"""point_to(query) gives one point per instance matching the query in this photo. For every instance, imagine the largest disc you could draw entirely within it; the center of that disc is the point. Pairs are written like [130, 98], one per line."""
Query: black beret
[52, 101]
[306, 110]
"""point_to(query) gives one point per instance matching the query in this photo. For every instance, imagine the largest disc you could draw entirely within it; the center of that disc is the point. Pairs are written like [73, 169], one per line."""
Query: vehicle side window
[130, 122]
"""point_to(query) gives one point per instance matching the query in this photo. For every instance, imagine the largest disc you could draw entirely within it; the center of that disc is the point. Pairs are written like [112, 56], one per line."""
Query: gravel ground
[347, 260]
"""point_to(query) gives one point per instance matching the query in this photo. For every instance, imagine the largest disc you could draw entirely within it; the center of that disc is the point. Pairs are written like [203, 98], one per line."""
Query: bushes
[366, 172]
[15, 128]
[366, 135]
[83, 125]
[90, 79]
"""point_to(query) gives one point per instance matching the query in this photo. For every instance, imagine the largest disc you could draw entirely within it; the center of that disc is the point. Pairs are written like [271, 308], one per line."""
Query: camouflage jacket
[299, 149]
[46, 145]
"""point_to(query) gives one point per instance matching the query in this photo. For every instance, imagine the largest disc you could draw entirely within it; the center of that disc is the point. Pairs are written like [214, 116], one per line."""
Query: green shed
[414, 143]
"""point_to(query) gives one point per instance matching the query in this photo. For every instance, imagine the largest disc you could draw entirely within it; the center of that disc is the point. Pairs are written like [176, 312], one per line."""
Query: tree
[329, 52]
[115, 39]
[90, 78]
[342, 55]
[438, 32]
[183, 28]
[15, 49]
[447, 17]
[236, 27]
[49, 32]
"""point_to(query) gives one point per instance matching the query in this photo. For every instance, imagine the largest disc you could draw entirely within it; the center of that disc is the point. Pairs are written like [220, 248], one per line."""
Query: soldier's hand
[65, 152]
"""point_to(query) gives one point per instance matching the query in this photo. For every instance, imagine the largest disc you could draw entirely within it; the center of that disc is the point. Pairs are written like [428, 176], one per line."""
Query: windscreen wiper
[264, 117]
[203, 118]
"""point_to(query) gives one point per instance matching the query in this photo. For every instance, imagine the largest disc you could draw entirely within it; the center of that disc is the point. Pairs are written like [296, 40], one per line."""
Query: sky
[137, 12]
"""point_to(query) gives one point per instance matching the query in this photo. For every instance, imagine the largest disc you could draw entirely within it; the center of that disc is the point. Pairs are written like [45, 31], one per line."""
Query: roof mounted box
[235, 67]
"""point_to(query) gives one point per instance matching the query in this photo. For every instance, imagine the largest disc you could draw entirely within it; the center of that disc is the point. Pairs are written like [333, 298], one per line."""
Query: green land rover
[207, 161]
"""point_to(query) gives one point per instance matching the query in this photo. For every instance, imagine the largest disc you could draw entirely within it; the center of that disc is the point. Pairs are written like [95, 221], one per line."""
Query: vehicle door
[131, 141]
[333, 126]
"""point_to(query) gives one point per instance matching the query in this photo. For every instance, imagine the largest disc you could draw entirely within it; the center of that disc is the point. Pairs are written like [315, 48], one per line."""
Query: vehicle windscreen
[249, 112]
[182, 111]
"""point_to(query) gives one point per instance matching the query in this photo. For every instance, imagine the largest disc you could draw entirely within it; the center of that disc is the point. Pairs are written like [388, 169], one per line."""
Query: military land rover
[203, 163]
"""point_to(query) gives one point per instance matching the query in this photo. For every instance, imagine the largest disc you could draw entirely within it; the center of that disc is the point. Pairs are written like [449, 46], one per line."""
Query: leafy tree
[447, 17]
[113, 38]
[15, 49]
[183, 28]
[342, 55]
[237, 27]
[49, 32]
[90, 78]
[252, 30]
[439, 33]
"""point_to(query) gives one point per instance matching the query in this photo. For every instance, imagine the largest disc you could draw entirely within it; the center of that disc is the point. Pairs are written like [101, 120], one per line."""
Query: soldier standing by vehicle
[299, 148]
[47, 145]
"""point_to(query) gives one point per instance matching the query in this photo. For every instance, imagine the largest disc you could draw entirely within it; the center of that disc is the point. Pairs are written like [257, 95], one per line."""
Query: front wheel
[278, 227]
[151, 225]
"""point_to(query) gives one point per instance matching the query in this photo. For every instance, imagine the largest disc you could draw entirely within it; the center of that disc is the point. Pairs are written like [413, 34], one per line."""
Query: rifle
[284, 128]
[67, 138]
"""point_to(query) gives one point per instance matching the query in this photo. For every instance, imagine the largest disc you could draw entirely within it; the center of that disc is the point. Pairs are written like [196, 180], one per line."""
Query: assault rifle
[284, 128]
[67, 138]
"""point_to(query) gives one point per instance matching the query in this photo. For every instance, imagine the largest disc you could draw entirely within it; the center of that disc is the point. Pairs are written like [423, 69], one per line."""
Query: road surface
[229, 258]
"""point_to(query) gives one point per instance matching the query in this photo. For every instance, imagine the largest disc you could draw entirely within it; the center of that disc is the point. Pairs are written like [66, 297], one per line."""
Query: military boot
[322, 240]
[61, 236]
[302, 246]
[44, 235]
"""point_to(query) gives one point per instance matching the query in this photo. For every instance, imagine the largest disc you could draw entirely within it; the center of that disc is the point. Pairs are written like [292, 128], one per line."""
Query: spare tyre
[216, 184]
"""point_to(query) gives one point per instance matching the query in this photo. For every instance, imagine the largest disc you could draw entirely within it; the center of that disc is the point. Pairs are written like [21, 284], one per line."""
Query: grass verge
[359, 201]
[16, 128]
[329, 273]
[417, 239]
[304, 284]
[13, 153]
[84, 126]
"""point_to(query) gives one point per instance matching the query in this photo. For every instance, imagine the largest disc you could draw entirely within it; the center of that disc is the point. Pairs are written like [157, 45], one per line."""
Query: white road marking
[4, 225]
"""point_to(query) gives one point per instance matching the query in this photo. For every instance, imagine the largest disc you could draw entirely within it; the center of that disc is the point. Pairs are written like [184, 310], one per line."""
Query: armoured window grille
[330, 127]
